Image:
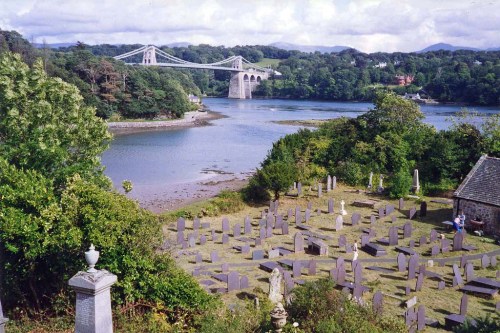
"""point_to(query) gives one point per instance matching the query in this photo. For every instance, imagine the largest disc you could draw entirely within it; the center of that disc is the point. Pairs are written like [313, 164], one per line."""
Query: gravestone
[339, 223]
[284, 228]
[420, 282]
[299, 189]
[224, 267]
[393, 236]
[214, 257]
[411, 244]
[393, 219]
[271, 206]
[441, 285]
[307, 215]
[233, 281]
[270, 221]
[244, 282]
[381, 212]
[273, 253]
[328, 183]
[203, 239]
[262, 232]
[355, 218]
[464, 302]
[330, 206]
[412, 213]
[421, 318]
[289, 214]
[401, 259]
[196, 223]
[435, 250]
[296, 268]
[320, 190]
[269, 232]
[342, 241]
[357, 292]
[433, 236]
[485, 260]
[401, 204]
[298, 216]
[407, 290]
[412, 266]
[279, 221]
[312, 268]
[225, 238]
[248, 226]
[340, 275]
[237, 230]
[463, 261]
[458, 240]
[180, 237]
[365, 239]
[493, 261]
[258, 254]
[334, 182]
[258, 241]
[191, 241]
[407, 229]
[225, 225]
[378, 303]
[389, 209]
[181, 224]
[457, 276]
[298, 243]
[469, 272]
[445, 245]
[423, 209]
[372, 219]
[422, 241]
[358, 274]
[339, 262]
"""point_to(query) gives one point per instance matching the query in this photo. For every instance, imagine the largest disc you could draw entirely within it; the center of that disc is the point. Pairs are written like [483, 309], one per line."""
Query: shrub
[401, 184]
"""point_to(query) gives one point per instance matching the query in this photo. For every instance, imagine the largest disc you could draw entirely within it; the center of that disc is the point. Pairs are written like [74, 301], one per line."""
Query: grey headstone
[270, 221]
[341, 274]
[205, 225]
[334, 182]
[214, 235]
[262, 232]
[412, 266]
[258, 254]
[225, 238]
[342, 241]
[458, 240]
[307, 215]
[420, 282]
[214, 257]
[245, 249]
[269, 232]
[191, 241]
[225, 225]
[271, 206]
[312, 268]
[233, 281]
[407, 290]
[224, 267]
[435, 250]
[469, 272]
[299, 189]
[463, 261]
[248, 225]
[373, 219]
[320, 190]
[411, 244]
[298, 216]
[407, 229]
[493, 261]
[381, 212]
[365, 239]
[412, 214]
[457, 276]
[357, 291]
[378, 302]
[389, 209]
[244, 282]
[203, 239]
[441, 285]
[298, 243]
[485, 260]
[296, 268]
[328, 183]
[237, 230]
[355, 218]
[198, 258]
[401, 204]
[258, 241]
[434, 236]
[358, 273]
[464, 302]
[393, 219]
[180, 237]
[330, 206]
[348, 248]
[279, 222]
[421, 318]
[181, 224]
[393, 236]
[422, 241]
[339, 223]
[445, 245]
[273, 253]
[289, 214]
[401, 259]
[196, 223]
[284, 228]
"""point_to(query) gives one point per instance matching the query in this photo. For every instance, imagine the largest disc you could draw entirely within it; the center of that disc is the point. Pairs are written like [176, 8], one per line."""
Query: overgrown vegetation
[390, 140]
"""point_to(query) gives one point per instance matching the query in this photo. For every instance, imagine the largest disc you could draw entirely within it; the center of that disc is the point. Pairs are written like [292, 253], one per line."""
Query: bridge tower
[149, 56]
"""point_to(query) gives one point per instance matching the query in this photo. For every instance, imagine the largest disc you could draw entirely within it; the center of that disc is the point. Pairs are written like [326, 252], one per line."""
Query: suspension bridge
[244, 79]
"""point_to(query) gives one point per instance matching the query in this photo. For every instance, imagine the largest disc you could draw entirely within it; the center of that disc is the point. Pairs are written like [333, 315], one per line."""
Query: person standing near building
[461, 216]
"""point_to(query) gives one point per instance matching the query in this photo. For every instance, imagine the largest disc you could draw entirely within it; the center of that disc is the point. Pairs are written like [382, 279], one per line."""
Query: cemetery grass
[438, 303]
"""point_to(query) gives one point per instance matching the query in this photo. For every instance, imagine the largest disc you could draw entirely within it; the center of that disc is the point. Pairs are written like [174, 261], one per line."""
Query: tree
[277, 176]
[45, 126]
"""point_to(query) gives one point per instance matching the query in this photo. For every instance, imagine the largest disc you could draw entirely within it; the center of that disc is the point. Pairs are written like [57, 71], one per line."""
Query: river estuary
[172, 167]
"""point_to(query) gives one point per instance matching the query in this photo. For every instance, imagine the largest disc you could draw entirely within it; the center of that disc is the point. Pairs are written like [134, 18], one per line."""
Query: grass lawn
[438, 303]
[265, 62]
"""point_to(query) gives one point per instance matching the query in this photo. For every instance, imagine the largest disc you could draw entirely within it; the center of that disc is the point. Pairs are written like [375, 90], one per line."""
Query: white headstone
[416, 183]
[342, 209]
[275, 295]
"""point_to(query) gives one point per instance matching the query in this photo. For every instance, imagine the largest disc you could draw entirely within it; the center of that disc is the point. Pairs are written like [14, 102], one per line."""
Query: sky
[367, 25]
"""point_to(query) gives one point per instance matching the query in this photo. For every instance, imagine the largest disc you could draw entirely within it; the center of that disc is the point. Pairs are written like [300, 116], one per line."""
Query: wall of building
[473, 210]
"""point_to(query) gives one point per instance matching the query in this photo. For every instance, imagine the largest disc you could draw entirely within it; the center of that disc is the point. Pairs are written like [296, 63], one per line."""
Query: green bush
[350, 172]
[485, 324]
[401, 184]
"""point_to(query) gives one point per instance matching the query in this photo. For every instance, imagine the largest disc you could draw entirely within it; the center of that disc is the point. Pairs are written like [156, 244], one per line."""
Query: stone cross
[93, 297]
[342, 209]
[275, 295]
[416, 184]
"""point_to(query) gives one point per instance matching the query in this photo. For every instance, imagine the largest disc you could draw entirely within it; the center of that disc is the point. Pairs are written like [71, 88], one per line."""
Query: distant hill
[309, 48]
[447, 47]
[53, 46]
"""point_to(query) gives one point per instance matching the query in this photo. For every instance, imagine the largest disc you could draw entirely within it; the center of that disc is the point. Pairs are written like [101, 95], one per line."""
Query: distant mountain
[446, 47]
[179, 44]
[53, 46]
[309, 48]
[493, 49]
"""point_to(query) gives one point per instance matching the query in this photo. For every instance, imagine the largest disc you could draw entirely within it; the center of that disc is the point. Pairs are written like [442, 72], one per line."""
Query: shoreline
[191, 119]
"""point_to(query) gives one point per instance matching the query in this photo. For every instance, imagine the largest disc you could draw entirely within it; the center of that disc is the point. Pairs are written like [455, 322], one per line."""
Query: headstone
[373, 219]
[401, 259]
[214, 235]
[269, 232]
[457, 276]
[180, 237]
[342, 208]
[298, 216]
[245, 249]
[393, 236]
[196, 223]
[365, 239]
[340, 274]
[342, 241]
[355, 218]
[270, 220]
[380, 187]
[275, 295]
[412, 213]
[225, 238]
[271, 206]
[233, 281]
[334, 182]
[225, 225]
[307, 215]
[421, 318]
[407, 229]
[299, 189]
[284, 228]
[411, 244]
[214, 257]
[357, 292]
[469, 272]
[244, 282]
[416, 183]
[423, 209]
[296, 268]
[358, 274]
[93, 299]
[464, 302]
[412, 266]
[463, 261]
[258, 254]
[248, 226]
[422, 241]
[493, 261]
[408, 290]
[445, 245]
[435, 250]
[378, 303]
[289, 214]
[181, 224]
[258, 241]
[370, 181]
[312, 268]
[339, 262]
[389, 209]
[320, 190]
[328, 183]
[441, 285]
[330, 206]
[381, 212]
[279, 221]
[224, 267]
[458, 240]
[271, 254]
[262, 232]
[198, 259]
[298, 243]
[420, 282]
[318, 212]
[339, 223]
[401, 204]
[485, 260]
[203, 239]
[191, 241]
[434, 236]
[237, 230]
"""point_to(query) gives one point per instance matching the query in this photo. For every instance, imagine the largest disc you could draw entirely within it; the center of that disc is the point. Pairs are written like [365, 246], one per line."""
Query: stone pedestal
[93, 301]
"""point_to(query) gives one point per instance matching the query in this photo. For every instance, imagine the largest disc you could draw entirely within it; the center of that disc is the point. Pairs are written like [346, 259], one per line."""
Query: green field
[265, 62]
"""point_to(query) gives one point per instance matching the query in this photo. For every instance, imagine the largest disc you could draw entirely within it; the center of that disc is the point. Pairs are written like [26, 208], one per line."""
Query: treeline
[390, 140]
[113, 88]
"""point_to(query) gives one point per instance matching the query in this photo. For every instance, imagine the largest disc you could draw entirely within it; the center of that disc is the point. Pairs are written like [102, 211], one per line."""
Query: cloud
[369, 25]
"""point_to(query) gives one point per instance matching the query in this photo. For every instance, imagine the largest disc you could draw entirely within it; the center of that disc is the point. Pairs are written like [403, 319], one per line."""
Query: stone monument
[342, 209]
[416, 184]
[93, 297]
[370, 181]
[380, 187]
[275, 295]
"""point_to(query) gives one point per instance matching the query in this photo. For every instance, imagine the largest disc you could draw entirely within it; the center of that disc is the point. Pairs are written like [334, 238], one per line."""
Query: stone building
[479, 196]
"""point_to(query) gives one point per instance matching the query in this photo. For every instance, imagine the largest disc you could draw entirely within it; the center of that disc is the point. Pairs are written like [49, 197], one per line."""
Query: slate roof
[482, 184]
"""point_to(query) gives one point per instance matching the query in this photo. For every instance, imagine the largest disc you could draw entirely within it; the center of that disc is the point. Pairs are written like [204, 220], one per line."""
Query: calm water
[237, 144]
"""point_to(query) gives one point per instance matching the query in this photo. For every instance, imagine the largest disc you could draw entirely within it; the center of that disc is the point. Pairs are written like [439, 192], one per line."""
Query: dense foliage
[55, 202]
[390, 140]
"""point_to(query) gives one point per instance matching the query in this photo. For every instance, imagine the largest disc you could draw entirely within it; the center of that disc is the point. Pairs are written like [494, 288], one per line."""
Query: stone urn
[91, 256]
[278, 317]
